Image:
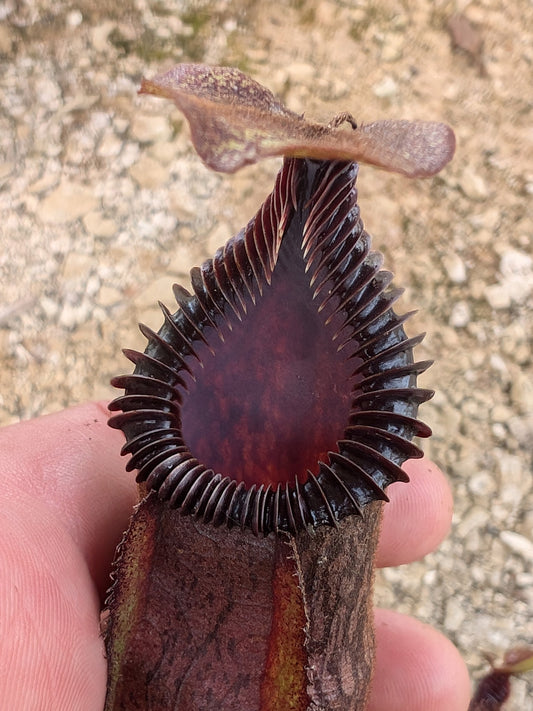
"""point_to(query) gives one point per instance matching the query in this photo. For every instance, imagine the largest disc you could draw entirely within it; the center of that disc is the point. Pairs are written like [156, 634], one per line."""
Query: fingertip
[417, 668]
[70, 461]
[418, 516]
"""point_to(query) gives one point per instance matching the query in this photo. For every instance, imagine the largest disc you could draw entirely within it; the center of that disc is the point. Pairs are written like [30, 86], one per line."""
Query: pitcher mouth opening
[282, 393]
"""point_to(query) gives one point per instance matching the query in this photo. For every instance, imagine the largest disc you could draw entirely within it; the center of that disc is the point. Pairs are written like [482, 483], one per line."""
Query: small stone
[498, 296]
[516, 269]
[6, 169]
[49, 306]
[120, 124]
[48, 180]
[98, 225]
[514, 476]
[455, 268]
[386, 88]
[48, 93]
[76, 267]
[500, 413]
[109, 296]
[392, 48]
[473, 185]
[514, 263]
[164, 152]
[522, 429]
[158, 290]
[460, 315]
[67, 203]
[129, 155]
[477, 517]
[110, 146]
[182, 260]
[481, 484]
[300, 72]
[522, 392]
[219, 236]
[100, 35]
[73, 315]
[148, 173]
[498, 364]
[518, 544]
[147, 129]
[74, 18]
[454, 615]
[6, 41]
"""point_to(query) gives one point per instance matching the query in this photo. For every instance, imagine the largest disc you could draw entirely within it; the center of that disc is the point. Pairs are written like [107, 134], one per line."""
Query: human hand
[65, 501]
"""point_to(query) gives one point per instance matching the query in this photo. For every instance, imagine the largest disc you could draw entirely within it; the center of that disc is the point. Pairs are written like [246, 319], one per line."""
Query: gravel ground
[103, 205]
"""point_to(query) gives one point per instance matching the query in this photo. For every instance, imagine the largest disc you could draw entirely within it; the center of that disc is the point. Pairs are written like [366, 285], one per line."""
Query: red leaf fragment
[235, 121]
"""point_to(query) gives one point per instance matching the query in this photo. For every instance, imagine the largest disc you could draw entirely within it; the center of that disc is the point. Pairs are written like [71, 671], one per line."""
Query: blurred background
[103, 205]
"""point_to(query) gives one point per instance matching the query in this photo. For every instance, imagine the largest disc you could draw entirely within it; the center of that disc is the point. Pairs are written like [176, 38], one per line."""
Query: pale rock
[130, 154]
[47, 181]
[149, 128]
[49, 306]
[158, 290]
[516, 281]
[514, 476]
[454, 614]
[6, 41]
[148, 173]
[522, 392]
[500, 413]
[525, 580]
[473, 185]
[92, 284]
[151, 317]
[477, 288]
[182, 260]
[392, 48]
[460, 315]
[498, 296]
[181, 204]
[218, 237]
[120, 124]
[77, 267]
[5, 170]
[514, 263]
[300, 72]
[518, 544]
[499, 432]
[100, 35]
[516, 268]
[455, 268]
[98, 225]
[522, 429]
[476, 518]
[498, 364]
[74, 18]
[109, 296]
[386, 88]
[110, 145]
[164, 152]
[48, 93]
[68, 202]
[481, 483]
[73, 315]
[326, 12]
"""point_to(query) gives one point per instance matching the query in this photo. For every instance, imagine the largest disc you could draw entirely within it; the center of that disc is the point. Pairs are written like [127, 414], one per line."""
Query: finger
[70, 461]
[418, 516]
[51, 651]
[416, 668]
